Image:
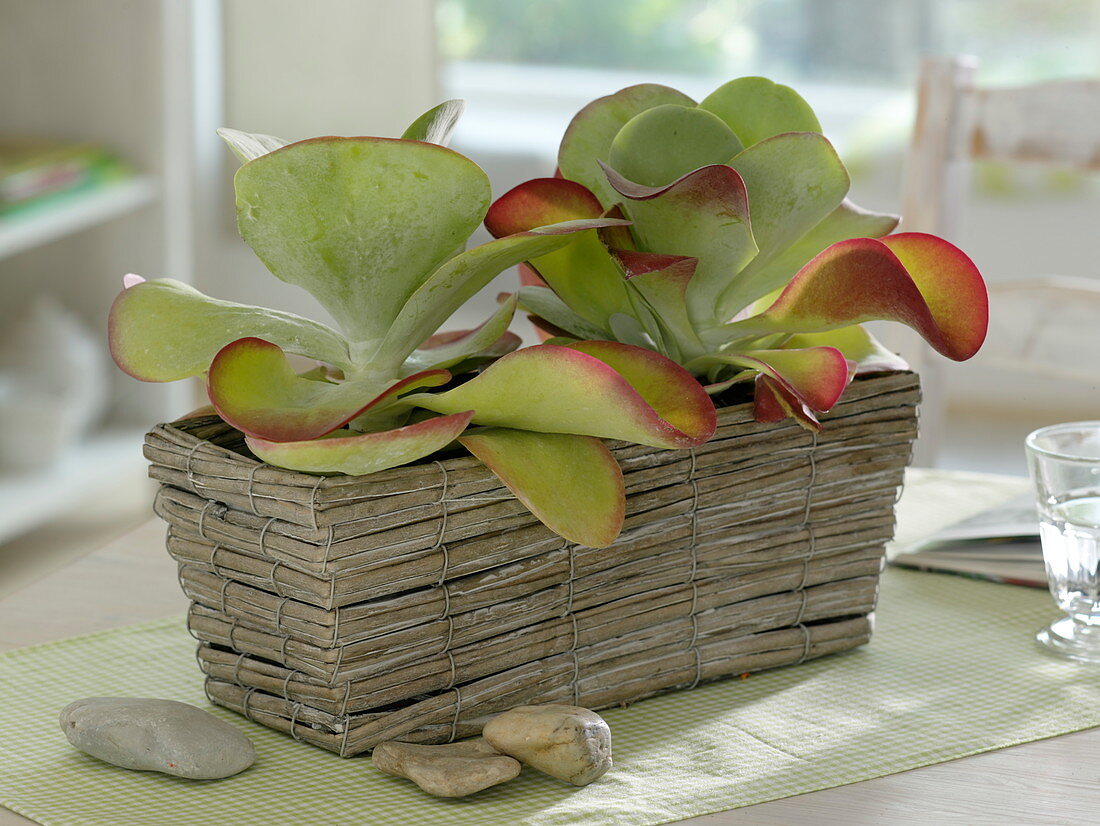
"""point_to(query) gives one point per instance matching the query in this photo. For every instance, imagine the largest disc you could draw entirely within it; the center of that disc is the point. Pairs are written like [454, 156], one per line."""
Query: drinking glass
[1064, 460]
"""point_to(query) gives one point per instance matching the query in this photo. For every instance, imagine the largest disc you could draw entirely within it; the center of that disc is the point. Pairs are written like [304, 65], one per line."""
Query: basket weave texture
[413, 603]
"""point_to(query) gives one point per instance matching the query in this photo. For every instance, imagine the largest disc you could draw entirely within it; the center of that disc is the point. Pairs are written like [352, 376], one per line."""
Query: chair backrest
[957, 122]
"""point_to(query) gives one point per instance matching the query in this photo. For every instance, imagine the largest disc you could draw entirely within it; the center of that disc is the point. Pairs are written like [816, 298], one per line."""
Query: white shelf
[30, 499]
[75, 213]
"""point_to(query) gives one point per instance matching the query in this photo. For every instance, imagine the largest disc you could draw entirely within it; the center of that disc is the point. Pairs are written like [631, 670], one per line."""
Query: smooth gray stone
[157, 735]
[451, 770]
[567, 742]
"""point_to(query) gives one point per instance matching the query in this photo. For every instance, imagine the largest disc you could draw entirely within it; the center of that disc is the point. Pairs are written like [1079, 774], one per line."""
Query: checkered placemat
[952, 670]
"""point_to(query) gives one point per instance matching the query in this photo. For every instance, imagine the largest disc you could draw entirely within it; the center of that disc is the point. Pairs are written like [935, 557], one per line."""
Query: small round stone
[157, 735]
[451, 770]
[567, 742]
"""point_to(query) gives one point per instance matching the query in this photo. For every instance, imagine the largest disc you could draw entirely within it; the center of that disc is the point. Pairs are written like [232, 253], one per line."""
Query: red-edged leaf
[858, 346]
[539, 202]
[359, 453]
[677, 269]
[772, 403]
[815, 376]
[581, 273]
[593, 129]
[571, 483]
[254, 388]
[703, 215]
[663, 280]
[164, 330]
[936, 290]
[663, 384]
[952, 287]
[554, 389]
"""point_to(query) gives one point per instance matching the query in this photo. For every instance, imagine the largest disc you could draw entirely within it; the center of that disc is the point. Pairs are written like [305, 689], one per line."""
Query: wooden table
[1050, 781]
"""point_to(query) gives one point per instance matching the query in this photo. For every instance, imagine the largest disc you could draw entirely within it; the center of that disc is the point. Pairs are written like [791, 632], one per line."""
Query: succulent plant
[375, 229]
[744, 259]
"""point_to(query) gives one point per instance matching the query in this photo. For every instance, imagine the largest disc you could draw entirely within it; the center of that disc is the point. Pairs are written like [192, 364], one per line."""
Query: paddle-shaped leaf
[539, 202]
[917, 279]
[581, 273]
[254, 388]
[555, 389]
[571, 483]
[664, 143]
[593, 129]
[359, 453]
[703, 215]
[815, 376]
[765, 274]
[360, 223]
[755, 108]
[164, 330]
[664, 385]
[794, 181]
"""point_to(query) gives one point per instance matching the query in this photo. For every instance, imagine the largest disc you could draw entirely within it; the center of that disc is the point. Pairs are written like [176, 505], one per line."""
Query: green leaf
[667, 142]
[630, 330]
[669, 389]
[584, 277]
[763, 275]
[662, 282]
[563, 390]
[359, 222]
[253, 387]
[794, 181]
[448, 349]
[360, 453]
[588, 139]
[164, 330]
[248, 146]
[755, 108]
[543, 302]
[571, 483]
[704, 215]
[454, 283]
[581, 273]
[437, 124]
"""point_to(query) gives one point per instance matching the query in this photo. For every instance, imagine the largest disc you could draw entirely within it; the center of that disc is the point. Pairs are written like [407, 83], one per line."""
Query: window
[526, 68]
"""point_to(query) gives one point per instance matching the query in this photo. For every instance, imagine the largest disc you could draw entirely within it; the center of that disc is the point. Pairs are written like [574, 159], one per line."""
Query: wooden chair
[956, 122]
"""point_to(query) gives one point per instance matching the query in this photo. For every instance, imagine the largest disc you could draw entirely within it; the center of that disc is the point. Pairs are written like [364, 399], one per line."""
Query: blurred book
[35, 172]
[1000, 544]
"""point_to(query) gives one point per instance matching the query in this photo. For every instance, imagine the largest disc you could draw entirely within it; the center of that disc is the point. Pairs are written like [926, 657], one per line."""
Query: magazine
[999, 544]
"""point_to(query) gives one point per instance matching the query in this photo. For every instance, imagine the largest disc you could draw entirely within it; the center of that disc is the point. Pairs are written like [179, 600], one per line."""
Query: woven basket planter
[415, 602]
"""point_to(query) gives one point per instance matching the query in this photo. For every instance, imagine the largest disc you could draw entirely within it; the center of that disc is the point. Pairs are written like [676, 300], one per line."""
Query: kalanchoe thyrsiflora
[375, 229]
[745, 260]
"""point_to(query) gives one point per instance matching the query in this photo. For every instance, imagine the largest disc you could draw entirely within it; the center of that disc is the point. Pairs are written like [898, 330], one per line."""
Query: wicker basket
[414, 602]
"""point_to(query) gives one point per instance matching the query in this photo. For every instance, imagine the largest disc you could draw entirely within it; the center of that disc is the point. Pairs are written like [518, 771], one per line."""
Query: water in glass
[1071, 547]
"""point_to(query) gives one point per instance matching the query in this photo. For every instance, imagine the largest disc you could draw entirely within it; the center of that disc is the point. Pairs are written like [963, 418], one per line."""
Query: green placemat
[952, 671]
